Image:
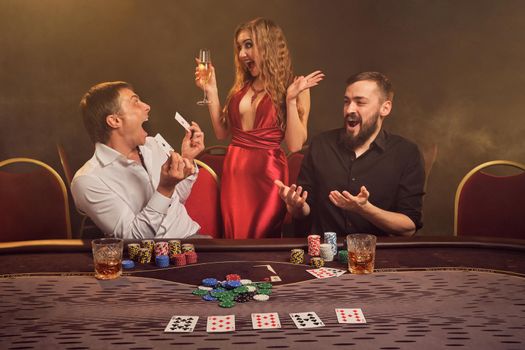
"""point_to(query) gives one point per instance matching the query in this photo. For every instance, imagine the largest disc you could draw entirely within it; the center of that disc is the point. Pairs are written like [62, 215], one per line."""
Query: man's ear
[385, 109]
[113, 121]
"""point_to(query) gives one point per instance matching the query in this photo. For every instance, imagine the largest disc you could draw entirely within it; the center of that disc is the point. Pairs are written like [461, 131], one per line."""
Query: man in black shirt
[360, 178]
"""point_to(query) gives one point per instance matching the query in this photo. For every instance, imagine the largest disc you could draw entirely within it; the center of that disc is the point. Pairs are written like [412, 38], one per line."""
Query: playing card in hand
[266, 320]
[163, 144]
[306, 320]
[181, 324]
[225, 323]
[350, 316]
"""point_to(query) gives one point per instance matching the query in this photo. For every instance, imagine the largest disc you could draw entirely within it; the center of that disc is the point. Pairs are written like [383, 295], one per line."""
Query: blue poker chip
[209, 282]
[162, 261]
[208, 297]
[233, 284]
[128, 264]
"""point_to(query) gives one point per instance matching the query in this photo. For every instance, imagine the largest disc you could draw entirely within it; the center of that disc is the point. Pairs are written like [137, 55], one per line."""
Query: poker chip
[343, 256]
[191, 257]
[188, 247]
[209, 282]
[199, 292]
[227, 304]
[128, 264]
[232, 291]
[144, 255]
[327, 252]
[233, 277]
[297, 256]
[162, 261]
[232, 284]
[261, 297]
[178, 259]
[174, 247]
[331, 238]
[161, 248]
[148, 243]
[133, 251]
[316, 262]
[314, 245]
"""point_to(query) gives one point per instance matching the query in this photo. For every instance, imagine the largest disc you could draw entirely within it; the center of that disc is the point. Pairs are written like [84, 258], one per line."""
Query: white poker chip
[261, 297]
[205, 288]
[251, 288]
[245, 282]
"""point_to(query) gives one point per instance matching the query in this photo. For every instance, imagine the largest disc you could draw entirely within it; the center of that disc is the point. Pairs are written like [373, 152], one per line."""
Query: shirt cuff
[159, 203]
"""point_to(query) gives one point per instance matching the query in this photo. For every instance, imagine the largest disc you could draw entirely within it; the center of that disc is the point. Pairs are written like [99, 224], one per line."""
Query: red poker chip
[178, 259]
[233, 277]
[191, 257]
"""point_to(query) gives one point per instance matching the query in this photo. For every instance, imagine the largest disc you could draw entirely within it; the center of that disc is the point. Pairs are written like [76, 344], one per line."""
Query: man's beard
[366, 130]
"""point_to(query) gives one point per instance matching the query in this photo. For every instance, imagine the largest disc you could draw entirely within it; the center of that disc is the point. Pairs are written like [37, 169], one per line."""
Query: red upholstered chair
[491, 205]
[33, 201]
[203, 204]
[213, 156]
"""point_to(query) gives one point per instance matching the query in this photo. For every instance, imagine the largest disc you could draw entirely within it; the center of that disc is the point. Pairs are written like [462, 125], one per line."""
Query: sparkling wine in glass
[204, 71]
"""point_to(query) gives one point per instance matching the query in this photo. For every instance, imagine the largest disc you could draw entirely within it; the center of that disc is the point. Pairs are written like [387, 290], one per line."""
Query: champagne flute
[204, 72]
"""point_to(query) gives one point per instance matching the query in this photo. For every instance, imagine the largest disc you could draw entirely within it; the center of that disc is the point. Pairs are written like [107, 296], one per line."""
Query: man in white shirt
[130, 188]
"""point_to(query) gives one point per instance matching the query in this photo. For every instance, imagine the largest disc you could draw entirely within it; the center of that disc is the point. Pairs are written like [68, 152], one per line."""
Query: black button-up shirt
[392, 170]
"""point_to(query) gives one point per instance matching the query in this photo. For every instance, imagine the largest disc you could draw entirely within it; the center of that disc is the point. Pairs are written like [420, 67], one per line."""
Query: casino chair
[491, 204]
[213, 156]
[87, 228]
[33, 201]
[203, 203]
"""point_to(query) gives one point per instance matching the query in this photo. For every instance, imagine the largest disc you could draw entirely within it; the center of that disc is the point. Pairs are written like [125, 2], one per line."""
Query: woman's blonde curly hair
[275, 64]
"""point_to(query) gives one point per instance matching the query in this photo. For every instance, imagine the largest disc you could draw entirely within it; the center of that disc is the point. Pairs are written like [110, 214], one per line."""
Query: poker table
[426, 292]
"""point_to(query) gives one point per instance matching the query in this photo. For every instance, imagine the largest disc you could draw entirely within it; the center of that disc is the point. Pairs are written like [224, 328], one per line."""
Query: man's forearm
[394, 223]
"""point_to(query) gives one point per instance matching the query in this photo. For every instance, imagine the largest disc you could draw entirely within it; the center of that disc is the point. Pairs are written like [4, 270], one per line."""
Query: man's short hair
[380, 79]
[100, 101]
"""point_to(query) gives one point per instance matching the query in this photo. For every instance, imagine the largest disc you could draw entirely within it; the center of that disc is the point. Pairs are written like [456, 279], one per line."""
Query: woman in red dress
[265, 105]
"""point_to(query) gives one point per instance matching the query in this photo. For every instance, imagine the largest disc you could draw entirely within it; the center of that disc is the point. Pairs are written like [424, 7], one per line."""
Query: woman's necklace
[255, 93]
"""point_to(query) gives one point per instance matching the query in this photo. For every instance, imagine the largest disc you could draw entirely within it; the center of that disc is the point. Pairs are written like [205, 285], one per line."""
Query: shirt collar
[107, 155]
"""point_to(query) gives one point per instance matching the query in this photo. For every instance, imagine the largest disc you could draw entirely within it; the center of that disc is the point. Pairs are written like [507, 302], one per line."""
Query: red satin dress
[250, 202]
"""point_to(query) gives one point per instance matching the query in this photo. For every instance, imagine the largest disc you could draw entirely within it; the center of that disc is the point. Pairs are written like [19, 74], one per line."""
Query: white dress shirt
[120, 195]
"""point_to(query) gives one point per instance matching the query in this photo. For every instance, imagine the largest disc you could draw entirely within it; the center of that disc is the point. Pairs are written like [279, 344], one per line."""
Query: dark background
[457, 68]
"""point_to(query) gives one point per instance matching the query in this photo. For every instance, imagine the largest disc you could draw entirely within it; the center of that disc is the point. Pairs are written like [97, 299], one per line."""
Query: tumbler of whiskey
[361, 253]
[107, 257]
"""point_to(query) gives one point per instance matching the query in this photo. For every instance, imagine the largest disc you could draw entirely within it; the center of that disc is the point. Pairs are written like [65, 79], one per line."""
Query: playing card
[306, 320]
[182, 121]
[181, 324]
[163, 144]
[350, 316]
[326, 272]
[266, 320]
[225, 323]
[275, 279]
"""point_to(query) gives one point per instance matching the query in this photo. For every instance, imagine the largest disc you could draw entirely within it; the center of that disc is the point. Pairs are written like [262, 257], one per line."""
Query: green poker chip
[264, 291]
[227, 303]
[199, 292]
[240, 290]
[264, 285]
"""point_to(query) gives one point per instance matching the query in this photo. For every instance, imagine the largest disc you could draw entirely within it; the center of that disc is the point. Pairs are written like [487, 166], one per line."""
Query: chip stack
[314, 245]
[144, 256]
[188, 247]
[148, 243]
[343, 256]
[133, 251]
[174, 247]
[161, 248]
[162, 261]
[331, 238]
[191, 257]
[316, 262]
[233, 277]
[297, 256]
[178, 259]
[326, 252]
